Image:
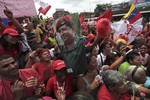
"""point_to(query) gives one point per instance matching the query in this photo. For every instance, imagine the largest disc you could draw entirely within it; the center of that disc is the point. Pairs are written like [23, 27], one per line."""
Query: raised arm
[9, 14]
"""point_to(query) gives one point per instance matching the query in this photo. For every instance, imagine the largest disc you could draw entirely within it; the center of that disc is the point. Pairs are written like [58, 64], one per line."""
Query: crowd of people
[42, 61]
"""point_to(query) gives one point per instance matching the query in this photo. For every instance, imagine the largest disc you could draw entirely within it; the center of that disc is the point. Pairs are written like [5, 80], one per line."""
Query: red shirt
[24, 74]
[104, 94]
[52, 86]
[44, 71]
[14, 52]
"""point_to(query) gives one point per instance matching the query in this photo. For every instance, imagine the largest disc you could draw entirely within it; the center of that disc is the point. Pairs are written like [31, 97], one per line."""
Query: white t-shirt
[100, 60]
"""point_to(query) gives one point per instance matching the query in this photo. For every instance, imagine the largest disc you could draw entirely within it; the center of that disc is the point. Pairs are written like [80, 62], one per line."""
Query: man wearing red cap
[72, 49]
[61, 83]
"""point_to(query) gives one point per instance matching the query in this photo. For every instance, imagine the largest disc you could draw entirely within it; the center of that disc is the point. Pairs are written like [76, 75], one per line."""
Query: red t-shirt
[104, 94]
[44, 71]
[24, 74]
[52, 86]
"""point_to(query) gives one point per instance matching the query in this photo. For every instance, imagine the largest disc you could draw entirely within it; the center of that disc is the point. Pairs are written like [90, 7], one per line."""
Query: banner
[122, 28]
[20, 8]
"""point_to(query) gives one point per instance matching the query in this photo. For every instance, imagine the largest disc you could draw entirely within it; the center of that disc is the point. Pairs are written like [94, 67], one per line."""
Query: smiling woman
[9, 43]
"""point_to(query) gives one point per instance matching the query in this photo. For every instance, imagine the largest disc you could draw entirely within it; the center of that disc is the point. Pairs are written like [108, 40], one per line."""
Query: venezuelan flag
[133, 14]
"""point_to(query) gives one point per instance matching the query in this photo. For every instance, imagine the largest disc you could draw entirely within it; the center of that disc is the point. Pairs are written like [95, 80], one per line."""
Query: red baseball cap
[58, 64]
[10, 31]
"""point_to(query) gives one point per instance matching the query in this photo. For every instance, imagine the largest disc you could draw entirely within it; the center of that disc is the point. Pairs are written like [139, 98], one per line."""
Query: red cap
[10, 31]
[62, 21]
[46, 40]
[59, 64]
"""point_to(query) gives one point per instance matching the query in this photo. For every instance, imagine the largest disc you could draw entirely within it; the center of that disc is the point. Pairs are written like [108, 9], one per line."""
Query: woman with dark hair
[9, 43]
[114, 60]
[104, 51]
[91, 80]
[132, 58]
[143, 53]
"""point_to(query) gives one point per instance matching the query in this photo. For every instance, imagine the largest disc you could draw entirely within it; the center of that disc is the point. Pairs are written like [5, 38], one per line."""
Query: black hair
[88, 57]
[4, 57]
[81, 95]
[102, 46]
[4, 43]
[131, 55]
[67, 23]
[143, 44]
[31, 98]
[111, 58]
[36, 45]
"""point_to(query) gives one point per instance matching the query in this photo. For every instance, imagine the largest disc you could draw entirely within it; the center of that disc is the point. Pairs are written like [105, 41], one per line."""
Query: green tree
[101, 8]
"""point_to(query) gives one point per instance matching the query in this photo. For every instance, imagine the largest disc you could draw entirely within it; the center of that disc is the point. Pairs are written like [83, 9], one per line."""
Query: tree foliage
[100, 8]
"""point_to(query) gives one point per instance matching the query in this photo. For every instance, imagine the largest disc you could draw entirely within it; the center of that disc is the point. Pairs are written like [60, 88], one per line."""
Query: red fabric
[14, 52]
[134, 2]
[24, 74]
[52, 86]
[11, 31]
[44, 71]
[104, 94]
[103, 27]
[4, 27]
[81, 19]
[107, 14]
[58, 64]
[44, 11]
[135, 18]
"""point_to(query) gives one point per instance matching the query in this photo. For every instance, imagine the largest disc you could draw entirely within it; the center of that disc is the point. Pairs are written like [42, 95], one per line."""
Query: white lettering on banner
[19, 8]
[121, 28]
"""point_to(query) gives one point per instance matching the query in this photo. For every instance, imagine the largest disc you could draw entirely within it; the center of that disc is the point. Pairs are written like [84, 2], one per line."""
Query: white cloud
[76, 5]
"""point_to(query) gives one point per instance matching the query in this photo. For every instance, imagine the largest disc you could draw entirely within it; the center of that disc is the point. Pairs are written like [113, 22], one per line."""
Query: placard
[20, 8]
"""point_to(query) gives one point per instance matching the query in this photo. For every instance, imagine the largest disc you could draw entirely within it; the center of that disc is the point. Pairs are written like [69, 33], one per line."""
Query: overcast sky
[76, 5]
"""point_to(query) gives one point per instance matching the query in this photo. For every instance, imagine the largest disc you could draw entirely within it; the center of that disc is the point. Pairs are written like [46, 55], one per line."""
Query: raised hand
[33, 55]
[8, 13]
[95, 83]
